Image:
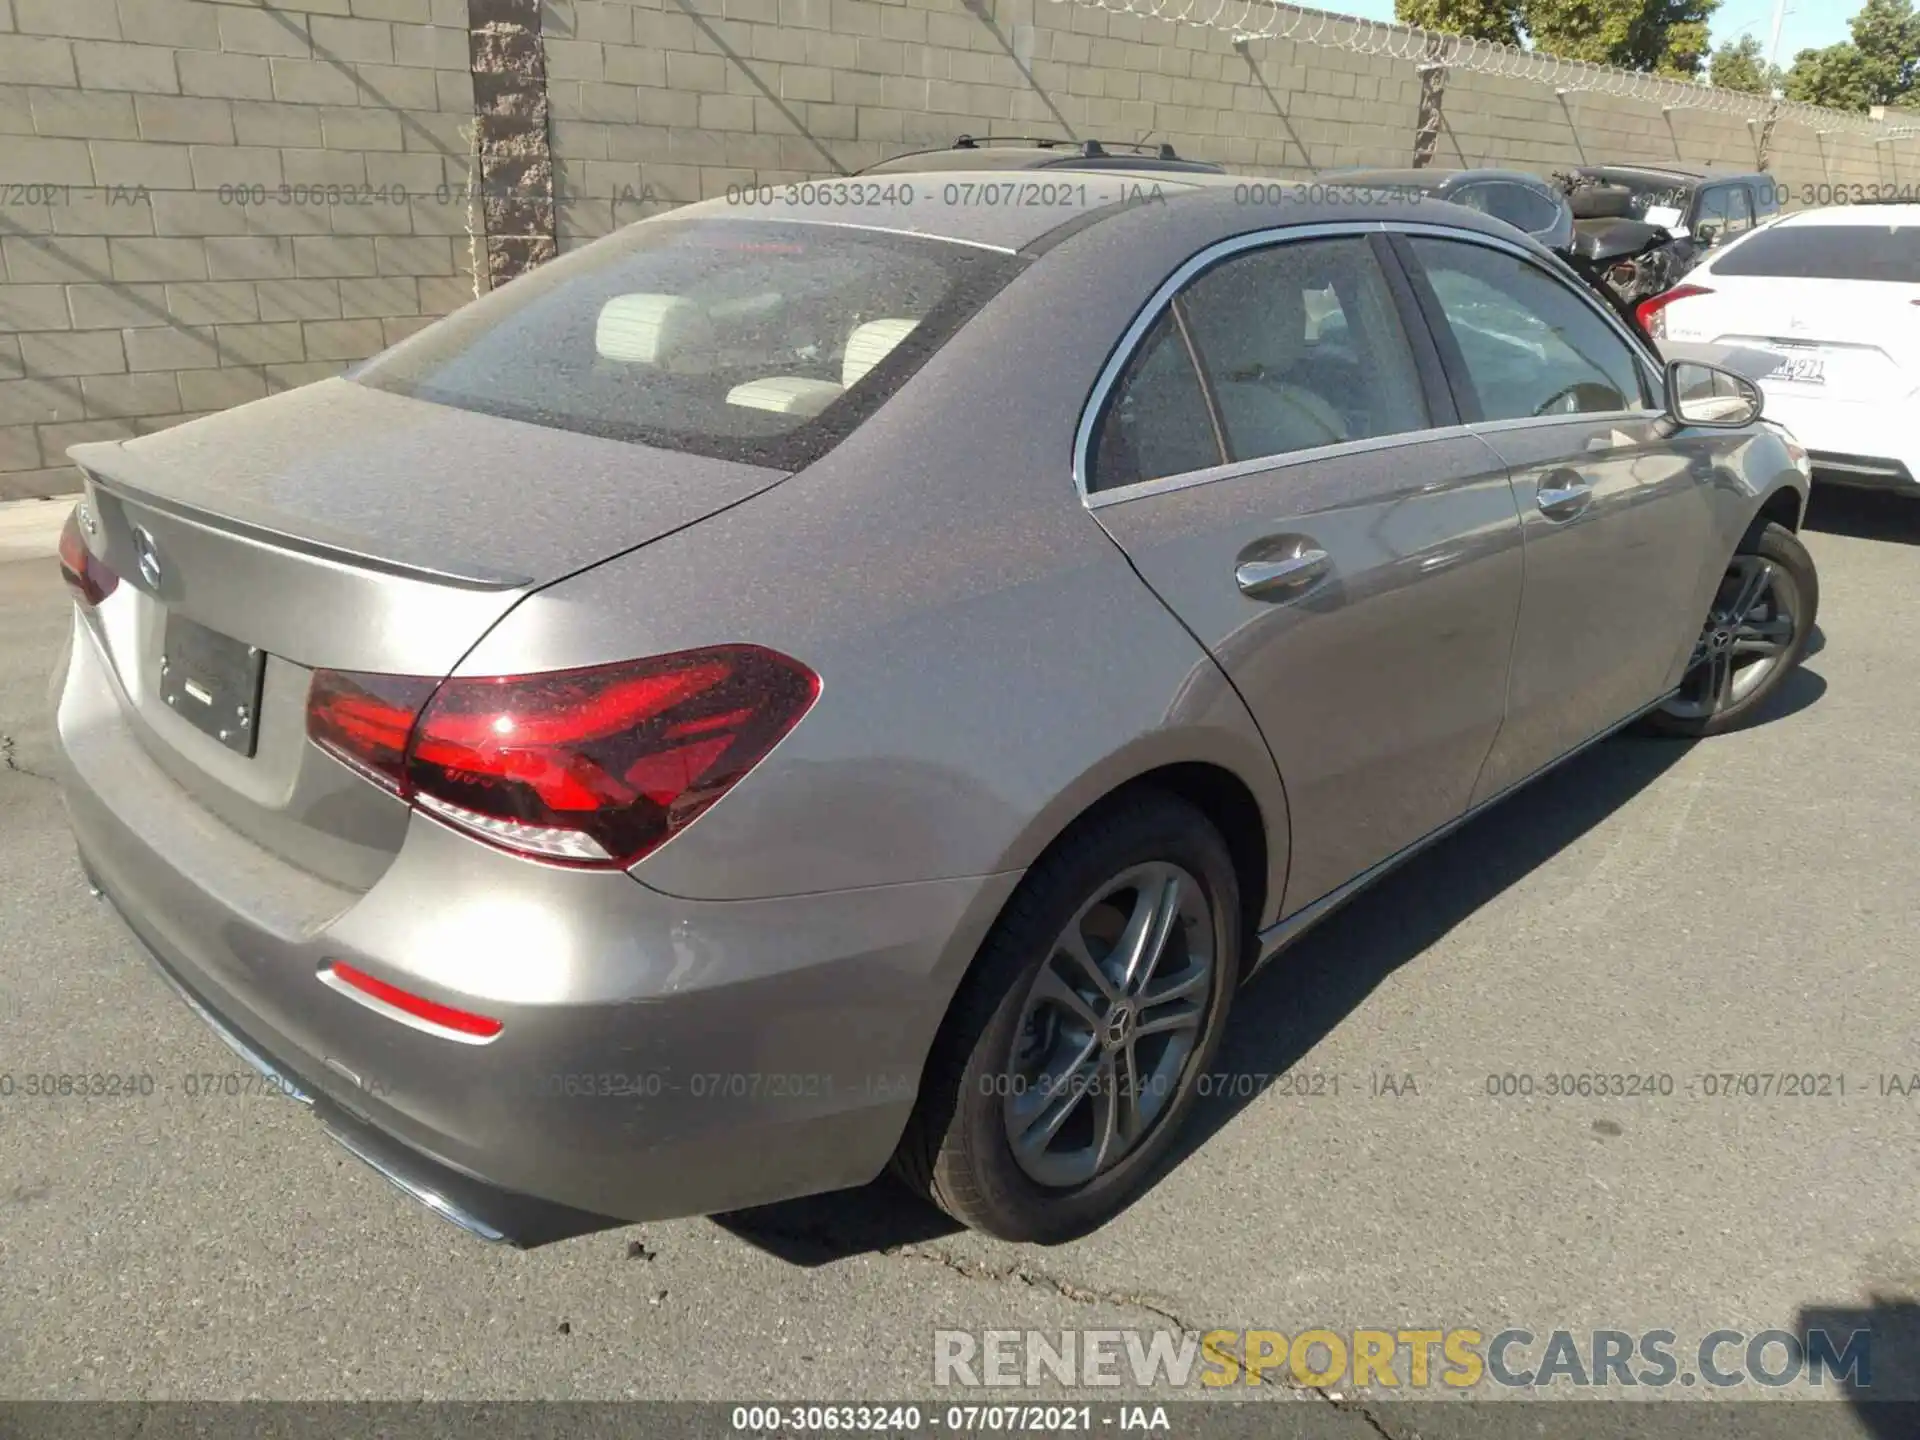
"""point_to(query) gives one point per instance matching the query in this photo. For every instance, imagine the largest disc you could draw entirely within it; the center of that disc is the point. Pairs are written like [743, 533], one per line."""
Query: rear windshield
[745, 340]
[1828, 252]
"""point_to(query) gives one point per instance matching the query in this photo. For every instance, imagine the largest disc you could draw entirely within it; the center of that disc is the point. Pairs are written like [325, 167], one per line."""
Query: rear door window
[1302, 346]
[1828, 252]
[1298, 346]
[746, 340]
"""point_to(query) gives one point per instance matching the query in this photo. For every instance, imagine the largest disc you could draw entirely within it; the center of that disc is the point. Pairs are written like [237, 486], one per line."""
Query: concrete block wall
[658, 102]
[201, 203]
[163, 251]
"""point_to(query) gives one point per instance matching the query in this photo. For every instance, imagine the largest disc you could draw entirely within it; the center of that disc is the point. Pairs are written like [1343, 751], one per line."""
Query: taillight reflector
[85, 573]
[445, 1017]
[596, 766]
[1650, 312]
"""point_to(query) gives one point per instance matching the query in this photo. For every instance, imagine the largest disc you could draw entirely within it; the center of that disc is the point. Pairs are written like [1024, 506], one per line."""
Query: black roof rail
[1088, 148]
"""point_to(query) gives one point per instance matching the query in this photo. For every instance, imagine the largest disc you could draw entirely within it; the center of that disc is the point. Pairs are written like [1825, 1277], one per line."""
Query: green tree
[1476, 19]
[1668, 36]
[1879, 66]
[1739, 65]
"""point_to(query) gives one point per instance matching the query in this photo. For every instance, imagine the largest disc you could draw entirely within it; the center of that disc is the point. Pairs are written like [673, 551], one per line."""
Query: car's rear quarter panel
[991, 664]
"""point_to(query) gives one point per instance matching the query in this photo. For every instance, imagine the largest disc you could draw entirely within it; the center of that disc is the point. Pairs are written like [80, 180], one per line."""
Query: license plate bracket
[212, 681]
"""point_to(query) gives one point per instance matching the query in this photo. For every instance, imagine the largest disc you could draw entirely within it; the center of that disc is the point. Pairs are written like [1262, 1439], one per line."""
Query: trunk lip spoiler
[90, 458]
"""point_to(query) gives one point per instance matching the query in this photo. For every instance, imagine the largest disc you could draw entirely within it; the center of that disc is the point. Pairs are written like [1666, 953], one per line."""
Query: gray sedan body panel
[932, 546]
[749, 1006]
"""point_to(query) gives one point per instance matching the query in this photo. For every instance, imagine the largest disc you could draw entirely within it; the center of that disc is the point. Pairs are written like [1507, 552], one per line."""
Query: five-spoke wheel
[1109, 1023]
[1756, 631]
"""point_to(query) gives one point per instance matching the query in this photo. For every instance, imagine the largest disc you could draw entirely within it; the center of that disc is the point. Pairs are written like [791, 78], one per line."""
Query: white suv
[1835, 293]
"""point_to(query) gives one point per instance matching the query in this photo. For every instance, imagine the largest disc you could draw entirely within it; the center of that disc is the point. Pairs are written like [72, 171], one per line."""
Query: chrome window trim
[1265, 464]
[783, 218]
[1261, 239]
[1149, 315]
[1636, 345]
[1584, 417]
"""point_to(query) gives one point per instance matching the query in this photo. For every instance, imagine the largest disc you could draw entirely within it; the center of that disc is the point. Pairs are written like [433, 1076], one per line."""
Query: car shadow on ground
[1877, 1373]
[1865, 514]
[1285, 1011]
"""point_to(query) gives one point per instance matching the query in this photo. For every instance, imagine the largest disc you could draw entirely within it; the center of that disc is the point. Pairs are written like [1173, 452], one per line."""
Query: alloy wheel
[1108, 1025]
[1753, 624]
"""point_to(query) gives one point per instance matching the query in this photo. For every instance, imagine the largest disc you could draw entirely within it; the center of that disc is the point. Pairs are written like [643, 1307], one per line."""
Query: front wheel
[1755, 634]
[1077, 1042]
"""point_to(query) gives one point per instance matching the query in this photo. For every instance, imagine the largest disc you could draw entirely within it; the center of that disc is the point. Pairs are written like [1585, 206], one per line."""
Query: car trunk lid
[340, 527]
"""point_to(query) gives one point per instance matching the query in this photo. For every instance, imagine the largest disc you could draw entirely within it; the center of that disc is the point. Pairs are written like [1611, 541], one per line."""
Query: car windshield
[1829, 252]
[746, 340]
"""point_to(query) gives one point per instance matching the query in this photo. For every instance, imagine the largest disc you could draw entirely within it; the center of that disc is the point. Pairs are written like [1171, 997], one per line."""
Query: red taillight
[588, 767]
[444, 1017]
[1650, 312]
[85, 573]
[365, 720]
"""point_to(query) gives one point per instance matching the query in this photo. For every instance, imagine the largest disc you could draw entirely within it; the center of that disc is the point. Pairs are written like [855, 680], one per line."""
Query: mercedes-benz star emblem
[1118, 1028]
[149, 557]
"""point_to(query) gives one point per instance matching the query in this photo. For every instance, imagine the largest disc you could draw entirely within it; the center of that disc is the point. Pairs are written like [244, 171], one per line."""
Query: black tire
[1779, 546]
[956, 1149]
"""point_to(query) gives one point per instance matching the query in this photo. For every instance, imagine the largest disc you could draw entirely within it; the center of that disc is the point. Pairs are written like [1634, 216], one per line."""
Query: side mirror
[1706, 395]
[1706, 235]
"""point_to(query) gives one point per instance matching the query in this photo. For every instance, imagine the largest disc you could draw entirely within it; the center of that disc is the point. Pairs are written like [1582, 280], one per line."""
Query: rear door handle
[1281, 577]
[1563, 502]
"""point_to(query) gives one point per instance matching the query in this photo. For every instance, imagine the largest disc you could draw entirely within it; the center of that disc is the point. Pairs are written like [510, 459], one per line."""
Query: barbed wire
[1250, 20]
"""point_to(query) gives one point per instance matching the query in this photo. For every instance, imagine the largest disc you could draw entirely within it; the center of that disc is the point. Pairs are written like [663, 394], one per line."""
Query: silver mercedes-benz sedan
[861, 673]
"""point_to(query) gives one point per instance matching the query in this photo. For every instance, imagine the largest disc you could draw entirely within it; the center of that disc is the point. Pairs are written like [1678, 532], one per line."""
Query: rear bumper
[1852, 443]
[659, 1057]
[1867, 471]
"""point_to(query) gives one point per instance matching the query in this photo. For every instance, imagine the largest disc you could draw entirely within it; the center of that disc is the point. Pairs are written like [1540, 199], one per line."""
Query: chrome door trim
[1150, 313]
[1264, 464]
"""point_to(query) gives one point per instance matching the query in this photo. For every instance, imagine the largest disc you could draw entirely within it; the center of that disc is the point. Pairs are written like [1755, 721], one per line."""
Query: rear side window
[1531, 345]
[1726, 208]
[1829, 252]
[744, 340]
[1303, 348]
[1299, 346]
[1521, 207]
[1158, 421]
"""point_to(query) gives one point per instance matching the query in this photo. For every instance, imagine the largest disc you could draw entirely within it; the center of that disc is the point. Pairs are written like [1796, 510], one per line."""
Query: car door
[1275, 449]
[1617, 522]
[1725, 211]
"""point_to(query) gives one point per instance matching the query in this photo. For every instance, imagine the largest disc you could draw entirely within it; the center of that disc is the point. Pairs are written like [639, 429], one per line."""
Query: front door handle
[1282, 576]
[1563, 502]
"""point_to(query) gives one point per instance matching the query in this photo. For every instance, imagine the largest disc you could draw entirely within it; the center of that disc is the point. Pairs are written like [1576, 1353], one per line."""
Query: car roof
[1667, 172]
[928, 203]
[1883, 213]
[1433, 178]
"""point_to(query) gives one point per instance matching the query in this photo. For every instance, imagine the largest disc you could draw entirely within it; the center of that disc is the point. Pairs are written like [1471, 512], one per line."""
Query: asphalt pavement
[1741, 907]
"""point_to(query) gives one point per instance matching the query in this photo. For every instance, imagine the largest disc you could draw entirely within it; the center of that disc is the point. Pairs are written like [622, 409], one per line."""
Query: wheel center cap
[1722, 639]
[1117, 1028]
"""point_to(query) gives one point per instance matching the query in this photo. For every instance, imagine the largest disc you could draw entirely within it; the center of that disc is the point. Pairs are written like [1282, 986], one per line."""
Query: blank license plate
[213, 681]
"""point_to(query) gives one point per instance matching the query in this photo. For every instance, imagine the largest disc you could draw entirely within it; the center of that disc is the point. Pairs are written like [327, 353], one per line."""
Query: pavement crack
[1354, 1407]
[1018, 1274]
[10, 762]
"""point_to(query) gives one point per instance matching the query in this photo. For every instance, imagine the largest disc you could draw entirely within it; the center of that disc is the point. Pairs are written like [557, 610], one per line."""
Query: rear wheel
[1755, 634]
[1074, 1049]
